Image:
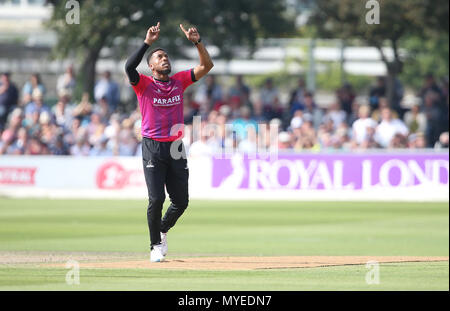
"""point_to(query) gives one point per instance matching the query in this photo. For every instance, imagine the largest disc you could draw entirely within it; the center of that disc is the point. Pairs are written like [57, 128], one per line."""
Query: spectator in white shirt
[335, 114]
[66, 82]
[360, 126]
[388, 128]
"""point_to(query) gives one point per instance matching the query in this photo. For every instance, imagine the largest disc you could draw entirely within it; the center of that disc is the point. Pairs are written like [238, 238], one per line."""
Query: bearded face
[160, 63]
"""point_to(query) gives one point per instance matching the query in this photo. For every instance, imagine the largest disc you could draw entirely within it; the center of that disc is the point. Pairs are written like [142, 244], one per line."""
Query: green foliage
[112, 23]
[424, 56]
[331, 79]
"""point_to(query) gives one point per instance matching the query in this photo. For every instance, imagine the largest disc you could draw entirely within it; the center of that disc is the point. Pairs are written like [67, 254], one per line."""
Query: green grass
[405, 276]
[247, 228]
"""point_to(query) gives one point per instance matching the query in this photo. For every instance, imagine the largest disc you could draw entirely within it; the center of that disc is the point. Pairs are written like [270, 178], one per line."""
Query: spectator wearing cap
[8, 98]
[361, 125]
[285, 141]
[389, 128]
[106, 87]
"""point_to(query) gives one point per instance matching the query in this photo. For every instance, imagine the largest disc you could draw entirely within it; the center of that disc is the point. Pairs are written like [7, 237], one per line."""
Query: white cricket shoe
[156, 254]
[164, 243]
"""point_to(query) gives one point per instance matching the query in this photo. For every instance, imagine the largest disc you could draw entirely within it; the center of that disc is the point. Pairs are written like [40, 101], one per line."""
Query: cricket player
[160, 98]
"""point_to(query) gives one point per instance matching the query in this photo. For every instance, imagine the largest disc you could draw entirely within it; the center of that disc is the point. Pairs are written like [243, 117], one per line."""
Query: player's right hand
[152, 34]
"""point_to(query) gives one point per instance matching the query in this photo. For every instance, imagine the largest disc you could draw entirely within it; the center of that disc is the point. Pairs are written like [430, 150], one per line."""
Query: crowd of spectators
[94, 127]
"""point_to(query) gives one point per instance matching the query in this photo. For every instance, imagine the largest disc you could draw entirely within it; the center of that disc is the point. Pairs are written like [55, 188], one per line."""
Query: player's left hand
[192, 34]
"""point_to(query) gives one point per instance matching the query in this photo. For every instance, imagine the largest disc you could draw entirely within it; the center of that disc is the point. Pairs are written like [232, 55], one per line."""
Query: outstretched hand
[192, 34]
[152, 34]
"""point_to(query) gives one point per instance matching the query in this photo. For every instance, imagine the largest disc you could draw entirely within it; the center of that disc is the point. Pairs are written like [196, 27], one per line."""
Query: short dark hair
[153, 51]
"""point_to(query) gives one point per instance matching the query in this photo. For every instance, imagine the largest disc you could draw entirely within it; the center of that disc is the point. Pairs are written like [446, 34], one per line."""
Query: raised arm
[206, 63]
[135, 59]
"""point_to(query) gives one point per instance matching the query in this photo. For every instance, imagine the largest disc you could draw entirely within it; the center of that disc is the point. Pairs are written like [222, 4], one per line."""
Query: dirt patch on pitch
[255, 263]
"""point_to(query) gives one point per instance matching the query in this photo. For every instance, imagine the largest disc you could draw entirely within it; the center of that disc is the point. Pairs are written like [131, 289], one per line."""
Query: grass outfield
[245, 228]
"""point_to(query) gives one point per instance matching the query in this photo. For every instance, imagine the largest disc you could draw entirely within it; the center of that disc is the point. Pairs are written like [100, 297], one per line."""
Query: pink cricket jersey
[161, 105]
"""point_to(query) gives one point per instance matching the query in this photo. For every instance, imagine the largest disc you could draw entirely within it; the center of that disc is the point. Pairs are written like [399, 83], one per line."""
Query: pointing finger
[182, 28]
[157, 25]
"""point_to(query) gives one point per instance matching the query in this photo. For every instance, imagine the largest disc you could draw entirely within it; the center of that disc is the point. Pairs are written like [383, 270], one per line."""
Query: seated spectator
[399, 141]
[389, 128]
[18, 145]
[270, 101]
[57, 145]
[81, 147]
[106, 87]
[346, 96]
[383, 103]
[417, 141]
[63, 111]
[101, 149]
[102, 109]
[258, 112]
[239, 89]
[190, 107]
[285, 141]
[36, 147]
[434, 113]
[37, 104]
[33, 85]
[209, 94]
[415, 120]
[8, 98]
[66, 82]
[127, 141]
[361, 125]
[335, 114]
[376, 92]
[296, 101]
[312, 110]
[240, 125]
[443, 141]
[84, 109]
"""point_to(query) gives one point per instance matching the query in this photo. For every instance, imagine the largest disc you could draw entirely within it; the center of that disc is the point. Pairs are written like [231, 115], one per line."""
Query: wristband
[199, 40]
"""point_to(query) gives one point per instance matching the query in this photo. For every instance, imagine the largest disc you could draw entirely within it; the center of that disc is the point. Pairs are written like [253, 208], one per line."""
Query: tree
[112, 23]
[399, 19]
